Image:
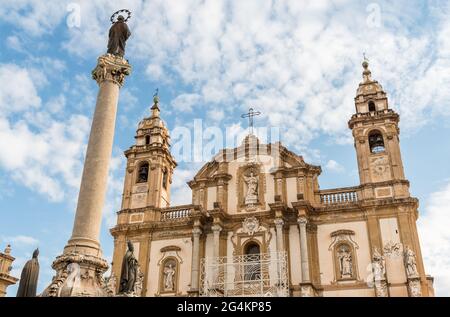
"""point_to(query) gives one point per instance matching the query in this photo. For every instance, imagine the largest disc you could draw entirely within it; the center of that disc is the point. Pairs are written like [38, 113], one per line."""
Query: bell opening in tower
[376, 142]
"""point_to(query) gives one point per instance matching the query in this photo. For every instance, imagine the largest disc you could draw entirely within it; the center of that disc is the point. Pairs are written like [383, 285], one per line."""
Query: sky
[297, 62]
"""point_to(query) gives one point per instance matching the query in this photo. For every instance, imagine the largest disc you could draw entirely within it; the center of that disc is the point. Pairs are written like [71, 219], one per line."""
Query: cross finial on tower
[366, 73]
[250, 114]
[155, 107]
[156, 96]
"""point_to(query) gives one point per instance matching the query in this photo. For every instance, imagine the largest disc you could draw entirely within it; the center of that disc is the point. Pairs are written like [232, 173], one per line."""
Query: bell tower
[150, 164]
[376, 134]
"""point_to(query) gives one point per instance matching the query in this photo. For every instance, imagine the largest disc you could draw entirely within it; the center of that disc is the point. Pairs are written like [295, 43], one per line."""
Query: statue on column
[118, 34]
[29, 277]
[129, 271]
[252, 189]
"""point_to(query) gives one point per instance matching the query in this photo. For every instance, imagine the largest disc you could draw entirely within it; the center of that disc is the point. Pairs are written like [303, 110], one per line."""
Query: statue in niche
[251, 196]
[128, 276]
[118, 35]
[410, 263]
[345, 262]
[169, 272]
[29, 277]
[143, 173]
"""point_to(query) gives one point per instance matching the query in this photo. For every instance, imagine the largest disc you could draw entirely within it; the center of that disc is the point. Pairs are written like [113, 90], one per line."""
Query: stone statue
[139, 283]
[129, 271]
[379, 266]
[169, 272]
[110, 284]
[29, 277]
[345, 262]
[410, 263]
[252, 189]
[143, 174]
[118, 35]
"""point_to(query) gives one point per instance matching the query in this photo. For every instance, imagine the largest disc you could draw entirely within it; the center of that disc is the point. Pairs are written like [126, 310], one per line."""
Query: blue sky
[298, 62]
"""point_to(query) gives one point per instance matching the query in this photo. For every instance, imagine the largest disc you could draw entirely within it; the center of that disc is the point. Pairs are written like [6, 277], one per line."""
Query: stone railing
[339, 196]
[372, 113]
[175, 213]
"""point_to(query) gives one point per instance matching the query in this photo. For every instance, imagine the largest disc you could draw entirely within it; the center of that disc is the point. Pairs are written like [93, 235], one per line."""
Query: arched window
[372, 106]
[147, 139]
[376, 142]
[252, 265]
[142, 176]
[164, 179]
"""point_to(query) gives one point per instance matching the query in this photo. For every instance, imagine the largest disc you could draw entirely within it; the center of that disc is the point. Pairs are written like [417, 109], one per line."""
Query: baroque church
[260, 225]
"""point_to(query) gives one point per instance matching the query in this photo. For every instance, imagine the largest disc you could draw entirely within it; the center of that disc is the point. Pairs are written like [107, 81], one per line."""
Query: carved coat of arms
[250, 225]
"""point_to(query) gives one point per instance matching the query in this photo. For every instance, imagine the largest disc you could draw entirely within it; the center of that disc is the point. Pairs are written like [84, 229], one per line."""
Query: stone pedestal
[80, 268]
[307, 290]
[381, 288]
[414, 287]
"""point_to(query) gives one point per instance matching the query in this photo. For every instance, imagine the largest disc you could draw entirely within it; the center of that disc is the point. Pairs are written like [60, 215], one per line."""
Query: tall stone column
[195, 266]
[279, 231]
[80, 268]
[307, 289]
[216, 235]
[304, 250]
[216, 251]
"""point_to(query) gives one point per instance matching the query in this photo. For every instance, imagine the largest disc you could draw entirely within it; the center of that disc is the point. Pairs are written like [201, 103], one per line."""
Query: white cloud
[56, 104]
[33, 16]
[185, 102]
[114, 187]
[13, 42]
[300, 58]
[18, 91]
[43, 153]
[180, 192]
[334, 166]
[21, 241]
[435, 239]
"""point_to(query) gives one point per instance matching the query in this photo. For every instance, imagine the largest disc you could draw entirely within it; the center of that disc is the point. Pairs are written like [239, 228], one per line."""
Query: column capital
[279, 222]
[197, 231]
[216, 228]
[111, 68]
[302, 220]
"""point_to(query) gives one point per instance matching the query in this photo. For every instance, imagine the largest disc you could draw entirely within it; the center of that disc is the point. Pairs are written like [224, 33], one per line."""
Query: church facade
[260, 225]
